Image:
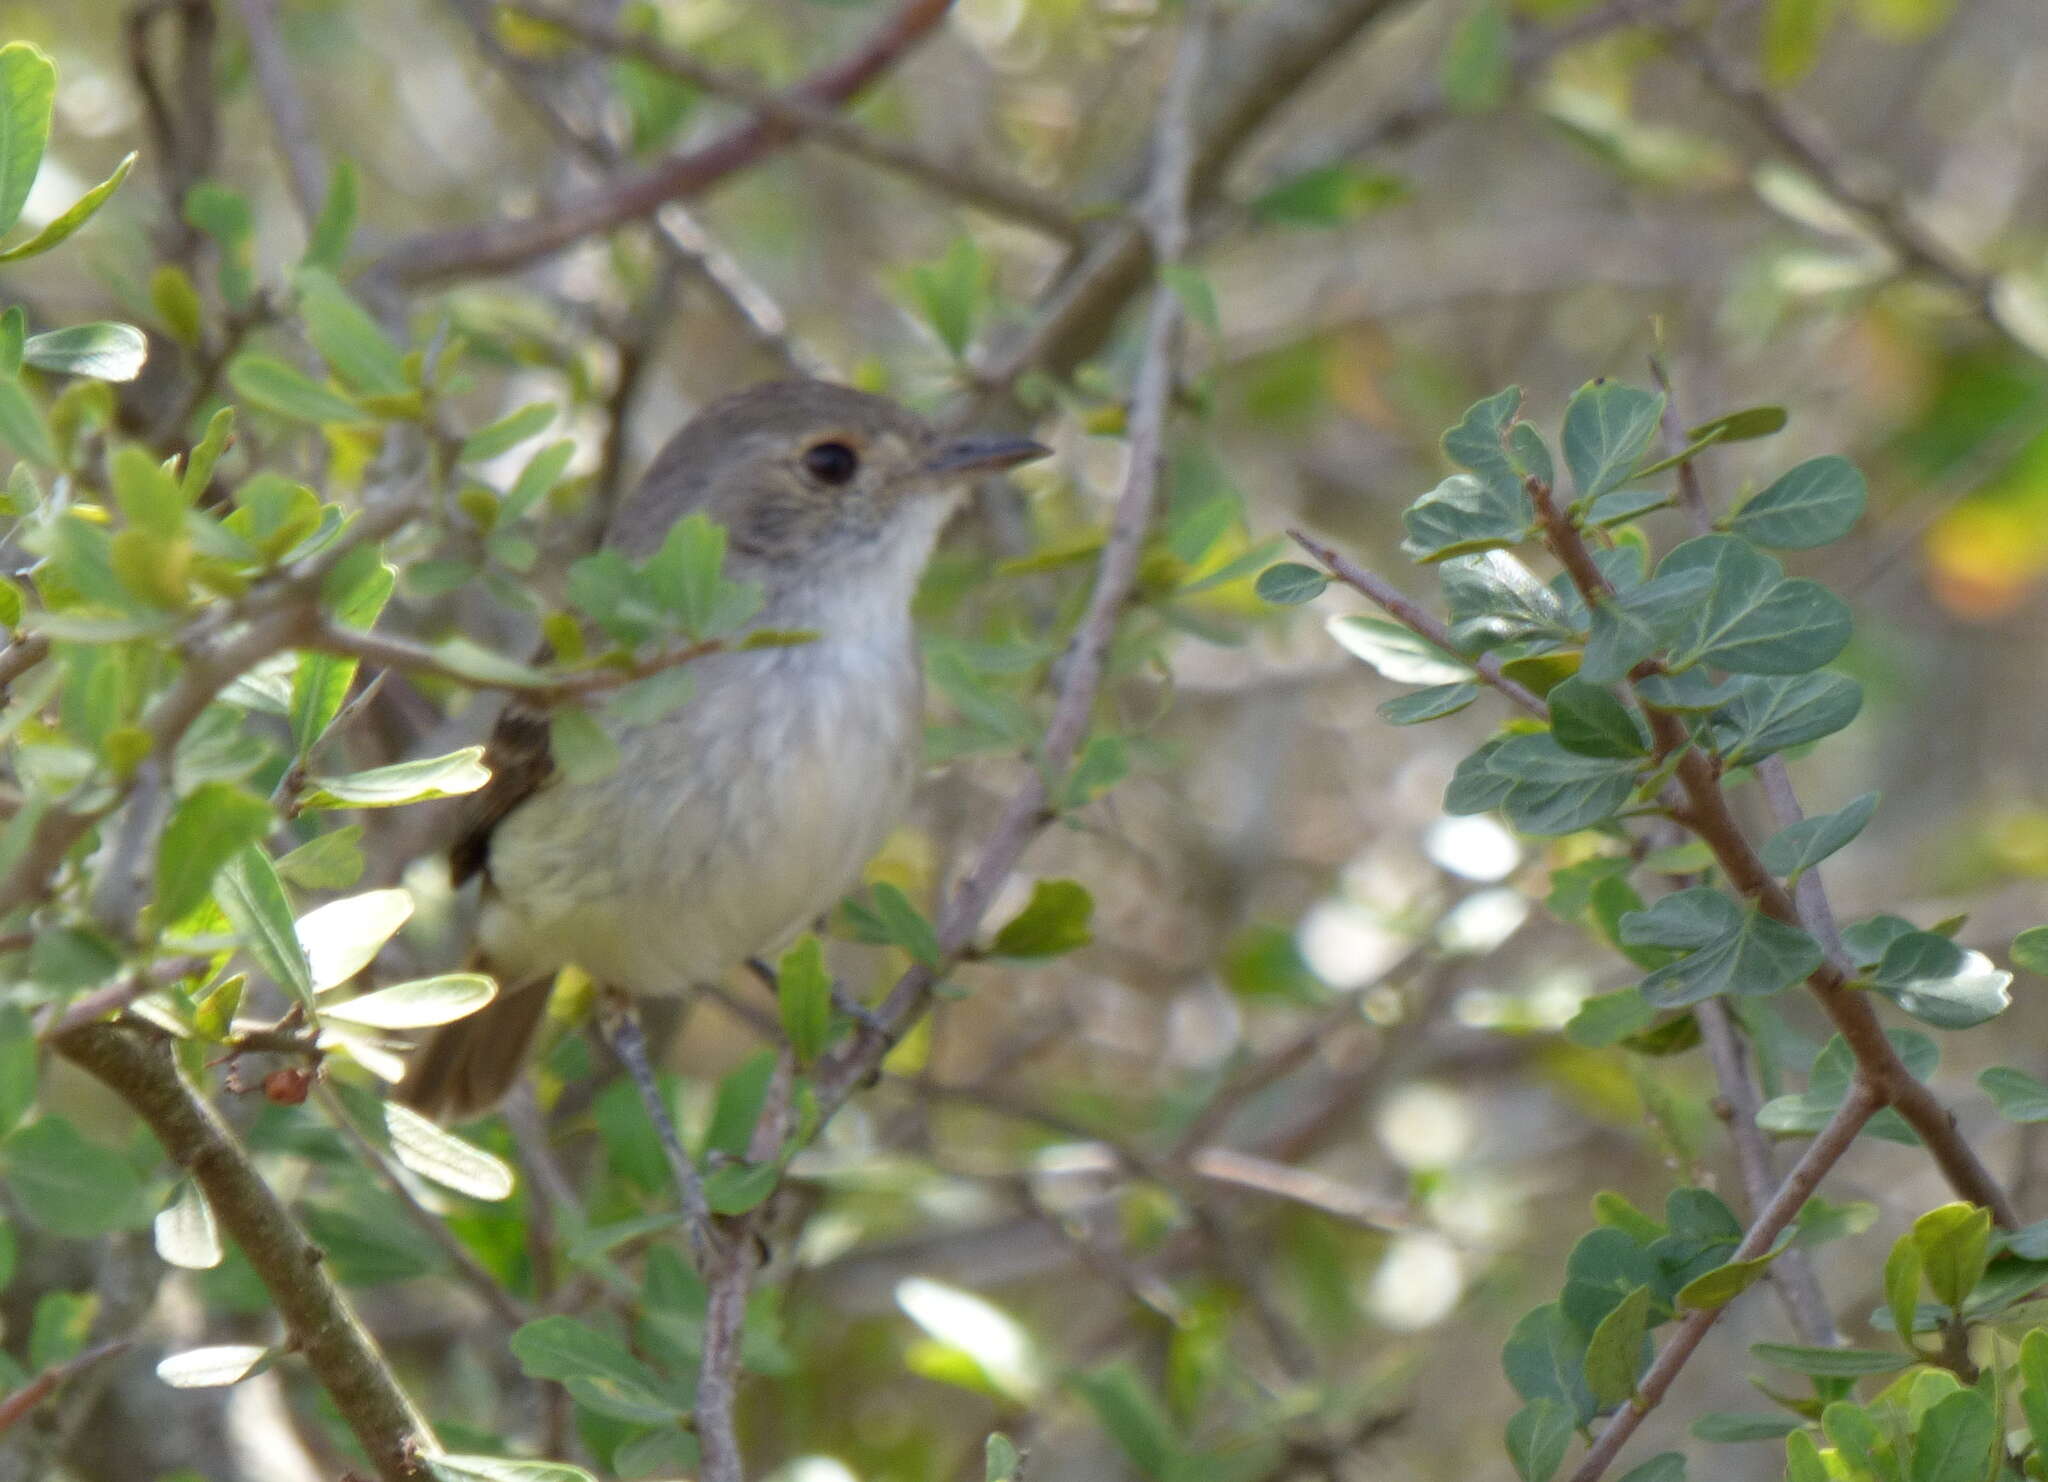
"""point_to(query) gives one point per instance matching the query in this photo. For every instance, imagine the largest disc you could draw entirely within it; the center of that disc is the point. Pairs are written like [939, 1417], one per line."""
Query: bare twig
[501, 246]
[137, 1064]
[1821, 1154]
[412, 658]
[19, 1405]
[800, 116]
[285, 99]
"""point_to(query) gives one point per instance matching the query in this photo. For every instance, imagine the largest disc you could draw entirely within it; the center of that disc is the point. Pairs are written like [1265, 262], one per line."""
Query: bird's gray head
[803, 470]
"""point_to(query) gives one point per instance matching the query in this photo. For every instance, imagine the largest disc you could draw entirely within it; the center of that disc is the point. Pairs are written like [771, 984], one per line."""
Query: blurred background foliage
[1254, 1183]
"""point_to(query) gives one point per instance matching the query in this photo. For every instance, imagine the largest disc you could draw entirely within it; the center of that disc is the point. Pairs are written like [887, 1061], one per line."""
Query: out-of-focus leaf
[440, 1155]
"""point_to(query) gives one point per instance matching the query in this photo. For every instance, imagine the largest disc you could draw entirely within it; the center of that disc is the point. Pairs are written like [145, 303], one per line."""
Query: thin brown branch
[138, 1065]
[1862, 1102]
[408, 657]
[817, 123]
[19, 1405]
[1416, 618]
[501, 246]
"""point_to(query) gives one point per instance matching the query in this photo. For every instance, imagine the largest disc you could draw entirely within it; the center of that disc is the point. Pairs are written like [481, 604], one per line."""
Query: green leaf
[215, 1367]
[803, 994]
[1290, 584]
[1539, 1435]
[1738, 427]
[1802, 1459]
[735, 1188]
[741, 1096]
[686, 578]
[1329, 195]
[248, 890]
[17, 1070]
[1629, 626]
[507, 432]
[1434, 703]
[542, 472]
[1133, 1418]
[176, 301]
[1726, 1426]
[1939, 983]
[341, 938]
[327, 243]
[28, 98]
[1001, 1461]
[2033, 1373]
[2018, 1096]
[1724, 1283]
[1614, 1354]
[418, 1004]
[277, 387]
[1479, 441]
[200, 462]
[450, 776]
[1809, 505]
[224, 215]
[1729, 948]
[353, 344]
[1604, 1267]
[1798, 847]
[74, 216]
[102, 351]
[1794, 31]
[950, 293]
[1954, 1241]
[1545, 1358]
[901, 924]
[1588, 720]
[334, 861]
[1772, 713]
[22, 427]
[211, 825]
[1668, 1466]
[1852, 1432]
[72, 1188]
[1399, 655]
[148, 496]
[1196, 294]
[1607, 1019]
[186, 1235]
[1477, 67]
[1055, 920]
[1753, 620]
[581, 748]
[2030, 950]
[1839, 1363]
[1466, 513]
[436, 1154]
[1607, 425]
[1954, 1440]
[1542, 788]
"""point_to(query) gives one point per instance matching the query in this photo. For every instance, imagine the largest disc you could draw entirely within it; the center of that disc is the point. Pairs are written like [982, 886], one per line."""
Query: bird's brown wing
[520, 764]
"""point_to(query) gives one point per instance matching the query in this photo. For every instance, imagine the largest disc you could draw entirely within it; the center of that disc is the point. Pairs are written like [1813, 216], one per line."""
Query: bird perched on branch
[735, 820]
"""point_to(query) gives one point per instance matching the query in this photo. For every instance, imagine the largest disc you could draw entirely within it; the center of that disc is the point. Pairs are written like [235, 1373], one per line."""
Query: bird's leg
[621, 1028]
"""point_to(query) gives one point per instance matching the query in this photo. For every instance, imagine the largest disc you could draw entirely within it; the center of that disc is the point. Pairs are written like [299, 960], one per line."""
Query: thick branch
[1823, 1153]
[138, 1065]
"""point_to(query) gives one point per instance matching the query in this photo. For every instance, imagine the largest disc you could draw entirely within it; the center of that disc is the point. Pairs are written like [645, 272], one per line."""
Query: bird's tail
[464, 1069]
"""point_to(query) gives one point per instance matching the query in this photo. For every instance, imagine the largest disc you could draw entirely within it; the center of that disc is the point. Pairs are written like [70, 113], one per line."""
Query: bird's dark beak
[983, 454]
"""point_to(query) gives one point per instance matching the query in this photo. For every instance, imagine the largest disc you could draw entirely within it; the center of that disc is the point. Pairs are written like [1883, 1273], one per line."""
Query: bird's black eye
[831, 463]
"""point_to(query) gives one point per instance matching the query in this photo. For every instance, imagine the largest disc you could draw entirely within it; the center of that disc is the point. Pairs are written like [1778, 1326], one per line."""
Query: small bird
[733, 822]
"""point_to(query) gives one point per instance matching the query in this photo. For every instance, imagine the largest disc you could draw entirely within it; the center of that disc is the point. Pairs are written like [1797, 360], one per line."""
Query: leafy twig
[1862, 1103]
[137, 1064]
